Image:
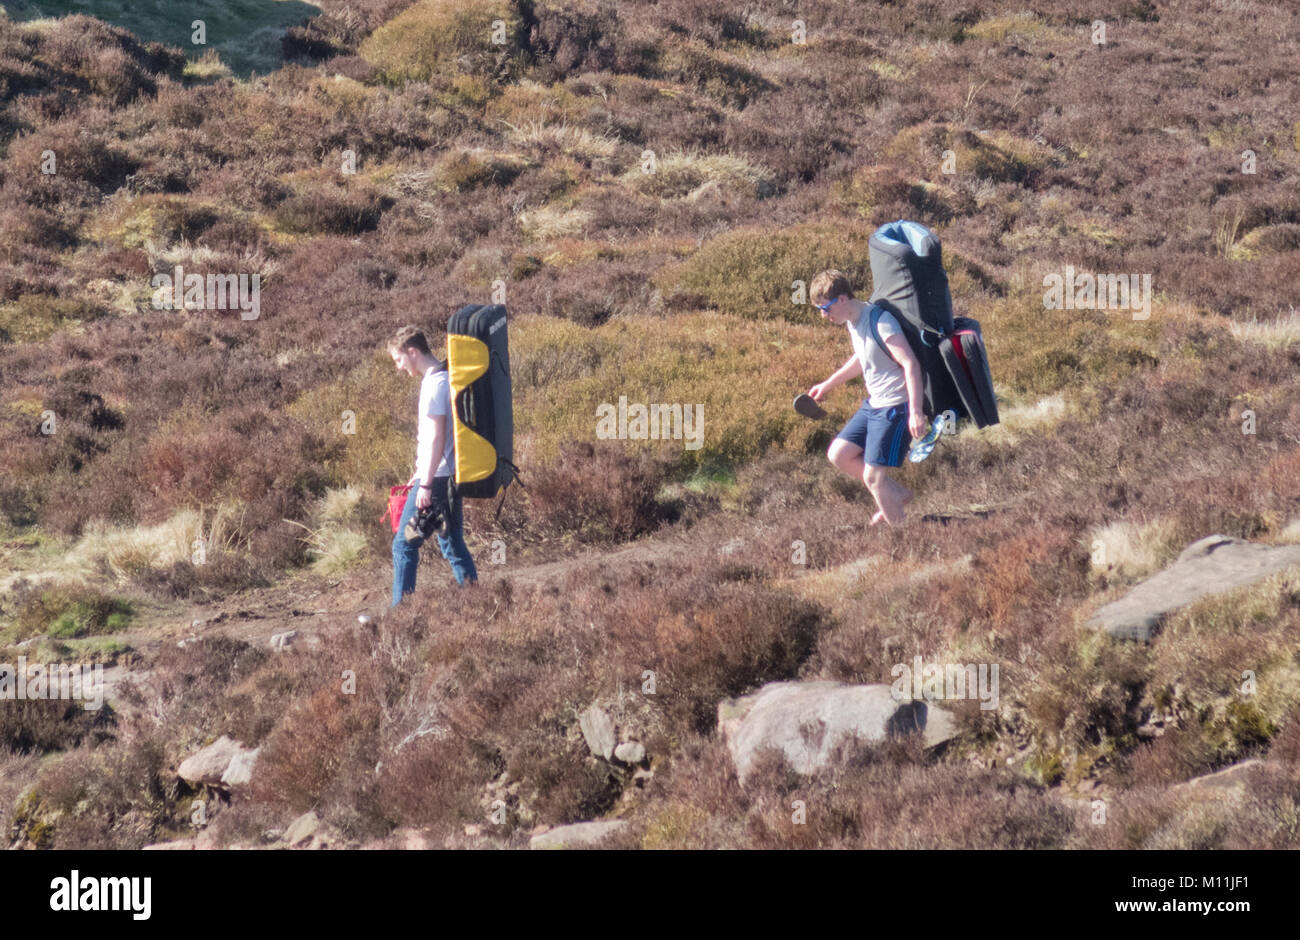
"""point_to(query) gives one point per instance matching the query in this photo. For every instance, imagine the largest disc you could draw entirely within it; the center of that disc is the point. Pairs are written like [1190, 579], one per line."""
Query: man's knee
[874, 477]
[842, 452]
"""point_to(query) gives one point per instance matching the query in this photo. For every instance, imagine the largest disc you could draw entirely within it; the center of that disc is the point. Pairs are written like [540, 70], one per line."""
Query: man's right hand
[820, 390]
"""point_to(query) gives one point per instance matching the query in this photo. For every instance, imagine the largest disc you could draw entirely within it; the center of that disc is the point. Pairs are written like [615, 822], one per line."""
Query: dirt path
[295, 613]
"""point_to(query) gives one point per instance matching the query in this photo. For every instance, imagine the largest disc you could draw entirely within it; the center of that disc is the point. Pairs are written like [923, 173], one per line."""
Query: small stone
[364, 620]
[473, 831]
[282, 641]
[630, 752]
[302, 828]
[413, 840]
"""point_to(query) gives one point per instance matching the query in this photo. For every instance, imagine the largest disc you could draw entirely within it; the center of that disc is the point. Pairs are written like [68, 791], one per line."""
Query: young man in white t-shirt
[874, 439]
[433, 466]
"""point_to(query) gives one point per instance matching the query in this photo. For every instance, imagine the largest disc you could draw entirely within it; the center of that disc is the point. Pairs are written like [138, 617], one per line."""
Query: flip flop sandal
[922, 448]
[806, 406]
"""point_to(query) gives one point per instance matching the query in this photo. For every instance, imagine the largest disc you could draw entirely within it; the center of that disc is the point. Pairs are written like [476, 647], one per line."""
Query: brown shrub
[108, 798]
[332, 211]
[30, 726]
[589, 493]
[320, 750]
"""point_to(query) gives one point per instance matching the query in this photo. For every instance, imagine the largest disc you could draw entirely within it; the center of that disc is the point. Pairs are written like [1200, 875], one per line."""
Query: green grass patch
[756, 273]
[35, 317]
[742, 373]
[446, 40]
[358, 410]
[67, 613]
[1036, 352]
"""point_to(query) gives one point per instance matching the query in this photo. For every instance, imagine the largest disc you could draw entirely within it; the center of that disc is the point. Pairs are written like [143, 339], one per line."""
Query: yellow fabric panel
[467, 359]
[475, 457]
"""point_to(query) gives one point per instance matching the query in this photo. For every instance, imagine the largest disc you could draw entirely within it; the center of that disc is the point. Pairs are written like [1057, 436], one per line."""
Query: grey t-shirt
[886, 385]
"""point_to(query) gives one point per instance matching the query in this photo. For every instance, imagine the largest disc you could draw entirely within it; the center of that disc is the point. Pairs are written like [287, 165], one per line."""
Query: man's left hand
[424, 499]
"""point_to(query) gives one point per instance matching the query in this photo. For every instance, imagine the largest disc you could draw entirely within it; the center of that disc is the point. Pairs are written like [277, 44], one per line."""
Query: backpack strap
[514, 478]
[875, 313]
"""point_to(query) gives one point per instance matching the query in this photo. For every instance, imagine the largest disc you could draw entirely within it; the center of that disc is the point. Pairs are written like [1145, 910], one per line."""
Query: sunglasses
[825, 308]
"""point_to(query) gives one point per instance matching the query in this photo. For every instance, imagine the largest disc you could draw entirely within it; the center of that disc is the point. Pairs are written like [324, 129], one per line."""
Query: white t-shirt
[886, 383]
[435, 400]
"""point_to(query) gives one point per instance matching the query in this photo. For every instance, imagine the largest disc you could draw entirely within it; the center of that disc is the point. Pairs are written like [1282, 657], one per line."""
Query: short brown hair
[829, 284]
[407, 337]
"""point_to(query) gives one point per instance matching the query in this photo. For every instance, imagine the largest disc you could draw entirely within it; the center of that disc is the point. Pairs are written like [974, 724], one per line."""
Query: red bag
[396, 503]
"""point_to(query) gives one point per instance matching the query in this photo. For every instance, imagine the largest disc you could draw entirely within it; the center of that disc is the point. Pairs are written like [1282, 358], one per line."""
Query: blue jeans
[406, 555]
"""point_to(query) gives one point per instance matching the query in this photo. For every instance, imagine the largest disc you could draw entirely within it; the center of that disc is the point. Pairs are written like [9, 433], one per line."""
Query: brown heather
[624, 558]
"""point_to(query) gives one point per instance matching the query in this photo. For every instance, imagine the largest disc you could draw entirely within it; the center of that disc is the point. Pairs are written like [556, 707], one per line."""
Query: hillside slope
[133, 436]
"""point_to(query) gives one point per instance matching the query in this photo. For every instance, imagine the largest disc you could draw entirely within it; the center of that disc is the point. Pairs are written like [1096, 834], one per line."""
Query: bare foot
[880, 514]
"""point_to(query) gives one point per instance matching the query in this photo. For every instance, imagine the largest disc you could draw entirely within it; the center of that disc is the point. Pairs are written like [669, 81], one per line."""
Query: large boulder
[1211, 566]
[1229, 783]
[598, 731]
[239, 772]
[807, 721]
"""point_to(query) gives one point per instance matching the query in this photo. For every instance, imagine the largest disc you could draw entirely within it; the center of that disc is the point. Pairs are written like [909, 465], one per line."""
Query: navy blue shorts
[880, 432]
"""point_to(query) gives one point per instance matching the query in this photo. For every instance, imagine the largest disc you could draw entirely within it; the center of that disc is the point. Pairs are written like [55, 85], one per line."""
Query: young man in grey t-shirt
[875, 438]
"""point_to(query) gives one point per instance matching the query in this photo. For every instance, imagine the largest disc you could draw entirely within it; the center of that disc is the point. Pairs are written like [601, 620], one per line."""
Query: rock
[630, 752]
[204, 840]
[1211, 566]
[598, 731]
[282, 641]
[1208, 807]
[302, 828]
[808, 720]
[411, 840]
[473, 830]
[576, 835]
[240, 770]
[1230, 781]
[208, 765]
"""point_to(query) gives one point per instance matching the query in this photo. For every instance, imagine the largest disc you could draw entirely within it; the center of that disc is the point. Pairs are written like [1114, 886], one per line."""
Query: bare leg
[891, 496]
[848, 459]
